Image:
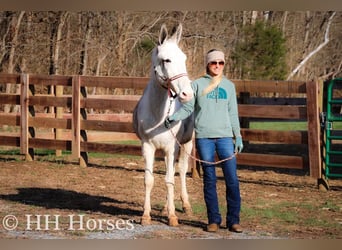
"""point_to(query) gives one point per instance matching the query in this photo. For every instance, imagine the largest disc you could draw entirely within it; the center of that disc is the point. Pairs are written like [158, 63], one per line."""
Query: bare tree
[5, 25]
[284, 21]
[15, 24]
[312, 53]
[85, 43]
[254, 17]
[56, 43]
[55, 47]
[57, 24]
[119, 42]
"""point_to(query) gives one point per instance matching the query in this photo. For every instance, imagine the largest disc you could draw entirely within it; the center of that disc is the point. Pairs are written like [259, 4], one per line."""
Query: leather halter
[169, 80]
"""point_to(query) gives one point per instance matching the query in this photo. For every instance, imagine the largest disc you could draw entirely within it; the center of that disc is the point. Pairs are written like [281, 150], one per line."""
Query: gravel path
[139, 232]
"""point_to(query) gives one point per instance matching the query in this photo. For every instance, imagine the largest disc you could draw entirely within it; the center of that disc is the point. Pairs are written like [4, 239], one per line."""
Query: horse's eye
[166, 61]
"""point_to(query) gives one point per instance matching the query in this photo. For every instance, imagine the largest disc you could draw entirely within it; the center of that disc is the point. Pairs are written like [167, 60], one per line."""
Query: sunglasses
[215, 63]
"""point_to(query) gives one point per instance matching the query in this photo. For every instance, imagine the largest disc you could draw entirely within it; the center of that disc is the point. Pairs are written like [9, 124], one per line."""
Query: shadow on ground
[71, 200]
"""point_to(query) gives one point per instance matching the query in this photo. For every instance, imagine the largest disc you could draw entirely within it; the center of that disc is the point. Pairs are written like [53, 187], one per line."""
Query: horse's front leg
[183, 169]
[170, 184]
[148, 154]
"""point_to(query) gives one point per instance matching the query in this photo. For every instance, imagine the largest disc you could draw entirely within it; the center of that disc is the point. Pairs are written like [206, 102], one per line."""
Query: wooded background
[119, 43]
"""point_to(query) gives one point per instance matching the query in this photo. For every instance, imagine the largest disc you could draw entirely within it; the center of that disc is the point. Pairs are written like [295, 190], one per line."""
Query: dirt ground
[107, 198]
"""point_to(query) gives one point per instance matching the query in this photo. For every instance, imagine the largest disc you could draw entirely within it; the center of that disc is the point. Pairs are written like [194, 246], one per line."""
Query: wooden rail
[82, 132]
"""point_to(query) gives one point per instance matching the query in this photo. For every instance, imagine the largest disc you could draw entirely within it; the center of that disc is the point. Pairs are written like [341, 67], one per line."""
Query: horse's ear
[163, 34]
[177, 33]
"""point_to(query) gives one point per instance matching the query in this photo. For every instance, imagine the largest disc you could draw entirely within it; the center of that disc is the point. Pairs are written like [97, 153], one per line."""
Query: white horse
[169, 86]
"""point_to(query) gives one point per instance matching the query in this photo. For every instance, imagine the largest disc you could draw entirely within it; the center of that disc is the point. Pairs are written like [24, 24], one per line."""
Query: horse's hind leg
[148, 153]
[183, 168]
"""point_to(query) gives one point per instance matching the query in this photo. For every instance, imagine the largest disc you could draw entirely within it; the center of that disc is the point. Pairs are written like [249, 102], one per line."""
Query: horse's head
[169, 64]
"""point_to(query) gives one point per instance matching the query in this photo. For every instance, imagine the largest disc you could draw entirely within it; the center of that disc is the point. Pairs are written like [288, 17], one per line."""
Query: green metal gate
[332, 125]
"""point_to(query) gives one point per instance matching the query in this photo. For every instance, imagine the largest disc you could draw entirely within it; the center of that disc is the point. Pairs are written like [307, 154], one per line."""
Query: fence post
[58, 114]
[78, 113]
[314, 144]
[75, 127]
[26, 111]
[322, 182]
[245, 99]
[83, 133]
[245, 121]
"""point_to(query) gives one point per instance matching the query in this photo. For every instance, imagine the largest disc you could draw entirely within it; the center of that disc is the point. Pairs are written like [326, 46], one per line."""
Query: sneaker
[213, 228]
[236, 228]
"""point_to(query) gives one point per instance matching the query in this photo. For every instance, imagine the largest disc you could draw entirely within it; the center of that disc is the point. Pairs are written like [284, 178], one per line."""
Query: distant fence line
[74, 128]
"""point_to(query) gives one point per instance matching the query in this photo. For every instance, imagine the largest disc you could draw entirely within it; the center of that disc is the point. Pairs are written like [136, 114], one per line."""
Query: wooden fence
[80, 131]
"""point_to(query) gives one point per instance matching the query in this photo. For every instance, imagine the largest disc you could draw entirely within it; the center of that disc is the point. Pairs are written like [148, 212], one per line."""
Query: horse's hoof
[187, 210]
[164, 211]
[173, 221]
[145, 220]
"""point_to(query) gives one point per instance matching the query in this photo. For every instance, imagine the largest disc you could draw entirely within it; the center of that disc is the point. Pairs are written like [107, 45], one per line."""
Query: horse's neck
[158, 100]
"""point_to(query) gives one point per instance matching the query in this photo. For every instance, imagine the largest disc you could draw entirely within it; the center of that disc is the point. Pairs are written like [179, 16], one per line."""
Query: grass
[199, 209]
[286, 125]
[285, 213]
[281, 125]
[10, 151]
[290, 212]
[50, 155]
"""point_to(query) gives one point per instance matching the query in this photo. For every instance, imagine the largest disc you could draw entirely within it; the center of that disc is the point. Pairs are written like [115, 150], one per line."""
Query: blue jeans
[224, 148]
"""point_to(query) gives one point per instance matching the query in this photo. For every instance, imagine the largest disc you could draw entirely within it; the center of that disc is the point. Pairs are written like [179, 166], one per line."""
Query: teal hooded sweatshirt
[216, 113]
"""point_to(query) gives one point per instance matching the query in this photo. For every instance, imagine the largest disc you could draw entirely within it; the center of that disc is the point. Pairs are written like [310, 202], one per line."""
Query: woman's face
[215, 67]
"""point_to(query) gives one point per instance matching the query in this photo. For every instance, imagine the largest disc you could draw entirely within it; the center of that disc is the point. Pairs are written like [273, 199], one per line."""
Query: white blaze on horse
[169, 86]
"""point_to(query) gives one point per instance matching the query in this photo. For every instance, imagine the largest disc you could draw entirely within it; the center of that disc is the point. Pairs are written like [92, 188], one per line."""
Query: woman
[216, 123]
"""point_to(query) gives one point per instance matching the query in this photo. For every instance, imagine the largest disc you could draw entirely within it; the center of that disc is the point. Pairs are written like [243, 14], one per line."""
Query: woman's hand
[238, 144]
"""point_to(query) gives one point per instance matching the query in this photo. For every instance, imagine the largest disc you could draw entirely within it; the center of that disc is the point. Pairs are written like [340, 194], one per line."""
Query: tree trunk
[308, 19]
[15, 24]
[284, 21]
[97, 73]
[85, 44]
[267, 15]
[254, 17]
[244, 18]
[4, 38]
